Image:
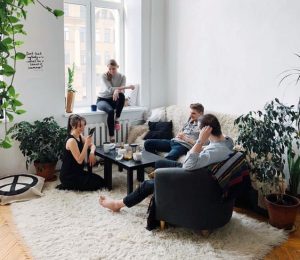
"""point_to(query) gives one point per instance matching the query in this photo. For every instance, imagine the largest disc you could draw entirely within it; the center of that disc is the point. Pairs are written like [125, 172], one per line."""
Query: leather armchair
[190, 199]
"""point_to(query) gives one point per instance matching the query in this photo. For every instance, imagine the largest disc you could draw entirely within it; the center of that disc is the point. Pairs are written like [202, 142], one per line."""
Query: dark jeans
[108, 105]
[147, 187]
[175, 149]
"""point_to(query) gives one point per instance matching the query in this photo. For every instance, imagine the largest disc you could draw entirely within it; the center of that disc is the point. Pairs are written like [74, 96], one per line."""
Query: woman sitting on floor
[72, 175]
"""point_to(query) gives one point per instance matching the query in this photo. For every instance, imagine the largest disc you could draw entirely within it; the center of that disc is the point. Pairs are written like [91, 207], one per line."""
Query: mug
[133, 147]
[121, 151]
[94, 108]
[137, 156]
[108, 146]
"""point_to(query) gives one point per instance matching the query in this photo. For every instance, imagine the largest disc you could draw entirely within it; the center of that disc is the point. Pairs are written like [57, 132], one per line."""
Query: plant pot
[46, 170]
[70, 101]
[282, 216]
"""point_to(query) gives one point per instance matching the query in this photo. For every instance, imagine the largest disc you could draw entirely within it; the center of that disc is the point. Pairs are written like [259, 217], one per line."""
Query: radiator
[101, 134]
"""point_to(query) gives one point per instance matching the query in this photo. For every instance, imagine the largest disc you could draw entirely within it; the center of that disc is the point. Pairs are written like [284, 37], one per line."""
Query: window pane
[76, 47]
[107, 27]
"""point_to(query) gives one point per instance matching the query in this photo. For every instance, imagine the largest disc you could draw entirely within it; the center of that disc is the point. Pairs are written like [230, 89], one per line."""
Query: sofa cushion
[157, 114]
[159, 130]
[135, 131]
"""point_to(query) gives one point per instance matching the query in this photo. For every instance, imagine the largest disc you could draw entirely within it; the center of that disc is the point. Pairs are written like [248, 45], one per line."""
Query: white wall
[42, 93]
[133, 39]
[154, 87]
[228, 54]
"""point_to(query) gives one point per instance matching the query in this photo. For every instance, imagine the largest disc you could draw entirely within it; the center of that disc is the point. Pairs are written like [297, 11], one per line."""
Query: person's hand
[92, 159]
[89, 140]
[132, 87]
[204, 134]
[180, 135]
[116, 94]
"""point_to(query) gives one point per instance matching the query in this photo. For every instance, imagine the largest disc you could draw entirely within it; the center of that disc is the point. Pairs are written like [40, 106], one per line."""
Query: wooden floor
[290, 250]
[12, 247]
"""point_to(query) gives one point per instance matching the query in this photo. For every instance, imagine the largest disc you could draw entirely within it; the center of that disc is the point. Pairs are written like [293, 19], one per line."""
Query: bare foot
[114, 205]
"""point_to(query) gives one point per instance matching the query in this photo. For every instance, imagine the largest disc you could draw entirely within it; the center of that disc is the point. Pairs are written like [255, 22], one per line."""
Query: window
[82, 35]
[107, 35]
[67, 34]
[106, 57]
[93, 35]
[98, 79]
[82, 12]
[82, 58]
[97, 35]
[67, 58]
[98, 58]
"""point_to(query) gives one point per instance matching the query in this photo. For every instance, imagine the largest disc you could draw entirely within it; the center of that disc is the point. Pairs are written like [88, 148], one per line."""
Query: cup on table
[137, 156]
[108, 146]
[121, 151]
[93, 108]
[133, 147]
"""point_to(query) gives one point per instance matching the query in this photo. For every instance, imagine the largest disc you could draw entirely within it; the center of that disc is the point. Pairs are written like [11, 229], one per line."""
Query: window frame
[91, 6]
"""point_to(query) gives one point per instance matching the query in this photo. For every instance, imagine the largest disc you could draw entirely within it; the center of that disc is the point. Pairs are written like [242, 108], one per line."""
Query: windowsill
[86, 111]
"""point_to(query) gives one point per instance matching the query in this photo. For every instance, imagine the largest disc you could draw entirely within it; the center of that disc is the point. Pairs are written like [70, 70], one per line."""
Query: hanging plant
[12, 16]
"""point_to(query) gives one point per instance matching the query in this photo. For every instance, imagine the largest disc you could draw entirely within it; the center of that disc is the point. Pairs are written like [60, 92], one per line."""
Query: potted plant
[265, 137]
[42, 143]
[70, 90]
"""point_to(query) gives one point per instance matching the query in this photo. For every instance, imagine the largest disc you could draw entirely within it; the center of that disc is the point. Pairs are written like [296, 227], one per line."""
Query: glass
[76, 47]
[107, 42]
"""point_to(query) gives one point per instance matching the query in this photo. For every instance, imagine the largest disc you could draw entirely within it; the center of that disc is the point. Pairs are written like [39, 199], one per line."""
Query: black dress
[73, 176]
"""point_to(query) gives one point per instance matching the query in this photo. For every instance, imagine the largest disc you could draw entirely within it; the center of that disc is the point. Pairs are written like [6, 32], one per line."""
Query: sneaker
[117, 126]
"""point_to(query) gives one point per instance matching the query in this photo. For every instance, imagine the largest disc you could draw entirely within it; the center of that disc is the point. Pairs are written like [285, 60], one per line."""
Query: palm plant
[295, 73]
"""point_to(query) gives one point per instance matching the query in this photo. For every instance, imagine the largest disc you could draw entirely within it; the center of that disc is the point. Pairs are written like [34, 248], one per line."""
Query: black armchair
[190, 199]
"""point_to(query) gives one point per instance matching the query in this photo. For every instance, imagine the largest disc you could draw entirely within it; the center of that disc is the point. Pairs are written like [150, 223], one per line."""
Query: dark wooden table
[148, 159]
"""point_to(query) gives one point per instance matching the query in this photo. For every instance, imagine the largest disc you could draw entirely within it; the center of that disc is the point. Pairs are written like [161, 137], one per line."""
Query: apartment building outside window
[93, 29]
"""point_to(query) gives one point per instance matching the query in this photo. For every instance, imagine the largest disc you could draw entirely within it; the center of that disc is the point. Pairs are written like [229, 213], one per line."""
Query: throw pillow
[20, 187]
[158, 114]
[132, 96]
[159, 130]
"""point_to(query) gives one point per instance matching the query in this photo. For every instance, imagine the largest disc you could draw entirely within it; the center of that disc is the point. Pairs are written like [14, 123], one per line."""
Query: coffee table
[148, 159]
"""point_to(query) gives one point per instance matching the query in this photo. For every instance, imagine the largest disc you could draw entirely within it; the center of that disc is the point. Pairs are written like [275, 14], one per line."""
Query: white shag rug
[72, 225]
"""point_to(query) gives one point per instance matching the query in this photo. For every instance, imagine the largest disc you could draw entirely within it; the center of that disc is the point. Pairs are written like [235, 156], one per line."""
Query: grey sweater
[213, 153]
[108, 87]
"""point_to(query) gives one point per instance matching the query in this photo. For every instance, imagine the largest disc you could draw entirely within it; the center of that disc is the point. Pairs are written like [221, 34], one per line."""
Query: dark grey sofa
[190, 199]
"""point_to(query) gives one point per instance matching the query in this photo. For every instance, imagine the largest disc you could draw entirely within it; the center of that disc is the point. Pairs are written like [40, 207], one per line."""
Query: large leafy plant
[266, 136]
[12, 15]
[42, 141]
